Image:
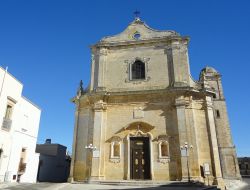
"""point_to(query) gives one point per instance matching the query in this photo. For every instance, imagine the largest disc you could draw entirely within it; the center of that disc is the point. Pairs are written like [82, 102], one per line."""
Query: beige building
[143, 117]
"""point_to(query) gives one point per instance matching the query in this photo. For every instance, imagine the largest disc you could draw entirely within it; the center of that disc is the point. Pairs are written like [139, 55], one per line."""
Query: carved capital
[100, 106]
[209, 102]
[180, 102]
[103, 51]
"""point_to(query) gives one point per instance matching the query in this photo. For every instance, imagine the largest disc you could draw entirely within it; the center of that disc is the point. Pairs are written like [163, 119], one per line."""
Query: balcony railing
[6, 125]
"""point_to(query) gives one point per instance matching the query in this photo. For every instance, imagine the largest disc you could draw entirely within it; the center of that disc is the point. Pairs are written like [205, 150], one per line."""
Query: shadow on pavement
[176, 186]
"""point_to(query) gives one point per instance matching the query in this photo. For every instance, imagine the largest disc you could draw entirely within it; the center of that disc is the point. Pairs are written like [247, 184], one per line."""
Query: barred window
[138, 70]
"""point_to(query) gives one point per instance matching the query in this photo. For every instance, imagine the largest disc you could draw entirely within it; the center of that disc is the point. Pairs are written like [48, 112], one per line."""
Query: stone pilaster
[72, 164]
[97, 168]
[180, 66]
[102, 68]
[182, 130]
[194, 156]
[216, 165]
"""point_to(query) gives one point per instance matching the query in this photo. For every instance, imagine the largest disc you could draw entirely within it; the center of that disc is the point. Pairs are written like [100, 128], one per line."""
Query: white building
[19, 124]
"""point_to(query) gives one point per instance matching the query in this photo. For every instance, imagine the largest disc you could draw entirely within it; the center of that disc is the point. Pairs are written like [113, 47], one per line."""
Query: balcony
[6, 124]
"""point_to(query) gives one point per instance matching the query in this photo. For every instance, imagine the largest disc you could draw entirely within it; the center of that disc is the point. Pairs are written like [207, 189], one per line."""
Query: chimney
[48, 141]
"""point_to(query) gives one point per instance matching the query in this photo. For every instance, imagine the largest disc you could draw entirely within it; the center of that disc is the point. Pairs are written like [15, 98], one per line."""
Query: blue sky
[45, 44]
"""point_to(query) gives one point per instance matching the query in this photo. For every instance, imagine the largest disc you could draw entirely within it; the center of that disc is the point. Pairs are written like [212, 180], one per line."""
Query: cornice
[168, 39]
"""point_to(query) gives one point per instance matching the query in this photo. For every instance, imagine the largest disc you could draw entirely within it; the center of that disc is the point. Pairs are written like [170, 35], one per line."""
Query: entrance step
[150, 183]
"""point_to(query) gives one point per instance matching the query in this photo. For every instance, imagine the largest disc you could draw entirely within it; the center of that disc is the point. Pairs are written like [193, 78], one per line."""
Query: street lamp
[186, 147]
[91, 148]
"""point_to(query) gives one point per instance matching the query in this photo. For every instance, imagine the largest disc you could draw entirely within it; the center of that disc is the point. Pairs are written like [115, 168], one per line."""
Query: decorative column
[181, 123]
[216, 165]
[97, 168]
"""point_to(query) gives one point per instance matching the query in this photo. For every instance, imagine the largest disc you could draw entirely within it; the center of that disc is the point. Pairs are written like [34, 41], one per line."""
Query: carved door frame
[138, 133]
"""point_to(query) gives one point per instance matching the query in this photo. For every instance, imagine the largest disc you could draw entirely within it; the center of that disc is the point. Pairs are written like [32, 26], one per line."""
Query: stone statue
[80, 90]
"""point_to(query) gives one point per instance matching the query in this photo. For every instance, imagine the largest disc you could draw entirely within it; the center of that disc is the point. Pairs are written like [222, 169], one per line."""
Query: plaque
[96, 154]
[206, 169]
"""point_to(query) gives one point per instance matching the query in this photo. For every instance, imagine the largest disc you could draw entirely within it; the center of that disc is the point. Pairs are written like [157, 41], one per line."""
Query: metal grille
[138, 70]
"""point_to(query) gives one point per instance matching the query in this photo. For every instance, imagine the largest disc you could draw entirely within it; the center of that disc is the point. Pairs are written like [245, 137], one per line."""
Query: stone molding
[164, 160]
[143, 42]
[115, 160]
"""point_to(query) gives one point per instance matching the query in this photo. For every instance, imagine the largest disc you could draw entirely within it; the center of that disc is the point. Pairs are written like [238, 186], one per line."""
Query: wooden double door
[140, 158]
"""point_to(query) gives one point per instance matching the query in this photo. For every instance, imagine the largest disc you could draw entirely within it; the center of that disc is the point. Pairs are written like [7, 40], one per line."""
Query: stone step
[150, 183]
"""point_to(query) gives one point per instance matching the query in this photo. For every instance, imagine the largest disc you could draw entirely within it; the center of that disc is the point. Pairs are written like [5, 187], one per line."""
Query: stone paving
[69, 186]
[82, 186]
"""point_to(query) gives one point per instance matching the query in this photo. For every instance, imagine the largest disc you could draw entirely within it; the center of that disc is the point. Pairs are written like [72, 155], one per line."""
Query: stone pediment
[138, 30]
[114, 139]
[139, 126]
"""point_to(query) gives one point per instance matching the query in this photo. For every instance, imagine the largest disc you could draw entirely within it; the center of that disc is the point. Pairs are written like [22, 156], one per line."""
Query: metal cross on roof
[137, 13]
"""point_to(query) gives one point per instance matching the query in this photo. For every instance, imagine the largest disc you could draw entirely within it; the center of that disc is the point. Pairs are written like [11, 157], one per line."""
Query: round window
[137, 35]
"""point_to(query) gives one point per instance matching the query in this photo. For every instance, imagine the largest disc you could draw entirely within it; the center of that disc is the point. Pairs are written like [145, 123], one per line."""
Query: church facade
[143, 117]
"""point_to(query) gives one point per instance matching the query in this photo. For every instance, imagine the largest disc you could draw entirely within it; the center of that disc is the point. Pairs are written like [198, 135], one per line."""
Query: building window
[217, 113]
[7, 122]
[115, 149]
[8, 112]
[138, 70]
[137, 35]
[163, 148]
[1, 150]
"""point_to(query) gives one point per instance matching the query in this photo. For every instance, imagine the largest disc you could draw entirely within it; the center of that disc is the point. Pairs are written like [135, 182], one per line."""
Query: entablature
[141, 97]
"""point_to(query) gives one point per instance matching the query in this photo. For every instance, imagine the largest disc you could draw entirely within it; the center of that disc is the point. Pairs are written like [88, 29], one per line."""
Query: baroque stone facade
[144, 117]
